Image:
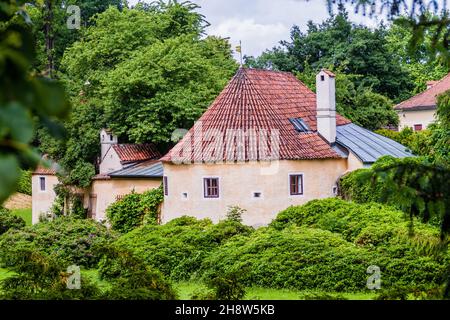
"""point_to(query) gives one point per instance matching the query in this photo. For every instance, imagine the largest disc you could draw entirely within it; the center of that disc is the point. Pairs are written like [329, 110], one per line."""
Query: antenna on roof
[239, 49]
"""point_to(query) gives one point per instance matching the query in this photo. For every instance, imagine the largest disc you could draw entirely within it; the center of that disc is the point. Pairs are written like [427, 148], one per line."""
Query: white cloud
[255, 37]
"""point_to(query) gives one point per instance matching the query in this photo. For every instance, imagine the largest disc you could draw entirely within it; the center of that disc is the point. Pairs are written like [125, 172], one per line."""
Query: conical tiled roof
[258, 103]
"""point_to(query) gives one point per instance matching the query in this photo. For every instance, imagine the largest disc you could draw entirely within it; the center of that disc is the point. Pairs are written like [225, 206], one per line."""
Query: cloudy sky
[261, 24]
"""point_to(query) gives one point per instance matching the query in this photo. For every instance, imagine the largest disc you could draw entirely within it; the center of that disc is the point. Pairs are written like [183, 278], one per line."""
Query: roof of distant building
[427, 99]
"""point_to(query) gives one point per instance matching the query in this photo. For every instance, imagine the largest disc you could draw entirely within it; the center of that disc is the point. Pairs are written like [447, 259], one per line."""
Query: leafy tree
[415, 15]
[421, 66]
[51, 31]
[339, 44]
[358, 103]
[141, 72]
[25, 99]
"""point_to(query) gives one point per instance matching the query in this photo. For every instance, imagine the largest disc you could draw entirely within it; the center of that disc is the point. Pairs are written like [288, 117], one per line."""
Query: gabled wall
[110, 162]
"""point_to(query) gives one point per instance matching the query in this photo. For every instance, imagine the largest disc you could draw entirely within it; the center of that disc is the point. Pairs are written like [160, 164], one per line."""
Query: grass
[186, 289]
[25, 214]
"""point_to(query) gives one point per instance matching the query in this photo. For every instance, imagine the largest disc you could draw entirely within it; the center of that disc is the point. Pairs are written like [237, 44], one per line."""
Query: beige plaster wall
[353, 163]
[42, 200]
[410, 118]
[107, 191]
[238, 182]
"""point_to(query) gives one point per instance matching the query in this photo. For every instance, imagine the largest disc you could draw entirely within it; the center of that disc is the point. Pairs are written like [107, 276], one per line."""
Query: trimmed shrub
[40, 277]
[296, 258]
[307, 258]
[130, 278]
[68, 240]
[178, 247]
[408, 254]
[9, 221]
[135, 210]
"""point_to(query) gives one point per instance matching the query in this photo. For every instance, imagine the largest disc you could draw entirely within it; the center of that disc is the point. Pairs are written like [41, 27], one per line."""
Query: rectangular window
[166, 187]
[42, 183]
[417, 127]
[296, 184]
[211, 187]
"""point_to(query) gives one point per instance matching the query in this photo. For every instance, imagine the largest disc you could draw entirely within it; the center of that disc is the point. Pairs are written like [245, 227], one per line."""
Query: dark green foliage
[415, 185]
[419, 142]
[68, 240]
[24, 185]
[297, 258]
[39, 277]
[25, 100]
[227, 286]
[329, 244]
[135, 210]
[339, 44]
[9, 221]
[178, 248]
[235, 213]
[130, 278]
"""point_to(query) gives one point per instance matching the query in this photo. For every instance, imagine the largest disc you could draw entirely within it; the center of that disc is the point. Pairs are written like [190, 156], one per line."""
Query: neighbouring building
[419, 111]
[123, 168]
[265, 143]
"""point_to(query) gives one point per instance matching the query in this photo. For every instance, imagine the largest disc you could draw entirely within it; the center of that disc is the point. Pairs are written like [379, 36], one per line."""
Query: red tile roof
[427, 99]
[46, 167]
[262, 101]
[136, 152]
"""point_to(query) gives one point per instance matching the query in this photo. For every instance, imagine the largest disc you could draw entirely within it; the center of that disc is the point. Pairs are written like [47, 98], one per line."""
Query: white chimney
[326, 105]
[107, 139]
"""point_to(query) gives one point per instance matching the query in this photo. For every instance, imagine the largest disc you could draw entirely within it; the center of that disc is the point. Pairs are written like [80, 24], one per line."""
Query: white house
[419, 111]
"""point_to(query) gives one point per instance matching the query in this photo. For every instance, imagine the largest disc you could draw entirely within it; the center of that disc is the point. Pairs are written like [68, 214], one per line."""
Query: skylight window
[300, 125]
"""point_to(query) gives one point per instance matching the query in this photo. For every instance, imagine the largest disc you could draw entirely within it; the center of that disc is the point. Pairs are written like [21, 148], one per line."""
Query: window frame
[42, 179]
[418, 125]
[208, 197]
[296, 174]
[166, 186]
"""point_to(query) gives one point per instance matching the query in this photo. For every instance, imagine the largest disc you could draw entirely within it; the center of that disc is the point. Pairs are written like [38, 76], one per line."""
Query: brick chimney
[326, 105]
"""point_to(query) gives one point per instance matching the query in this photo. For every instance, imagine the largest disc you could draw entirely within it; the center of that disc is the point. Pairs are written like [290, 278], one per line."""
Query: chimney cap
[328, 72]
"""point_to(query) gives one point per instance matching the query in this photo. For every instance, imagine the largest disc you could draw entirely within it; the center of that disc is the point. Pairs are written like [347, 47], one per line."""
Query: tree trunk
[49, 41]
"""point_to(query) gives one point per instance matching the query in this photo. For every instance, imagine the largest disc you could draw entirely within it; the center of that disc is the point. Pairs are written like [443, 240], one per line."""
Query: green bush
[24, 185]
[135, 210]
[9, 221]
[178, 247]
[130, 278]
[40, 277]
[418, 142]
[227, 286]
[309, 258]
[68, 240]
[407, 254]
[295, 258]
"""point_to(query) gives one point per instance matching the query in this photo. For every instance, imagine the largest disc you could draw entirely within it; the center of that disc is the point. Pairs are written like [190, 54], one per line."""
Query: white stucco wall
[410, 118]
[110, 162]
[42, 200]
[106, 191]
[238, 182]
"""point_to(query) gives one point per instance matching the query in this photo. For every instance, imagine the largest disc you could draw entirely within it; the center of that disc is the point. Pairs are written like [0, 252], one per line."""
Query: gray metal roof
[367, 145]
[148, 169]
